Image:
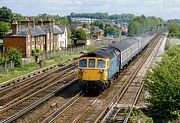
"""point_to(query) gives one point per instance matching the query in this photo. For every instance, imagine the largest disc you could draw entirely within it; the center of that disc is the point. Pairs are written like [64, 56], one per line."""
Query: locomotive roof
[104, 52]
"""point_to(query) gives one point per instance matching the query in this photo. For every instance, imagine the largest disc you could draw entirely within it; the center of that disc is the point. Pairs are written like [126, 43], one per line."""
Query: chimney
[47, 22]
[14, 27]
[53, 21]
[40, 22]
[26, 22]
[33, 22]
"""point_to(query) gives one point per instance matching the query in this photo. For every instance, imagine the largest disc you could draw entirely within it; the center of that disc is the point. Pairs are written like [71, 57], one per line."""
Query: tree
[4, 28]
[110, 30]
[61, 20]
[104, 16]
[5, 14]
[18, 17]
[98, 23]
[86, 25]
[134, 28]
[79, 34]
[15, 56]
[36, 54]
[174, 30]
[142, 24]
[163, 84]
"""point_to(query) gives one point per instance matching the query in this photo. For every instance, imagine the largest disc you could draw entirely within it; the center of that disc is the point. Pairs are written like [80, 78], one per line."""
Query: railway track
[53, 106]
[36, 84]
[11, 85]
[31, 75]
[62, 108]
[22, 97]
[93, 109]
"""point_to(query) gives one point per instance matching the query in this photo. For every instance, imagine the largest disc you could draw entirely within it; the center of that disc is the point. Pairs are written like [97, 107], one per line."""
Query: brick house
[29, 36]
[97, 33]
[53, 33]
[25, 37]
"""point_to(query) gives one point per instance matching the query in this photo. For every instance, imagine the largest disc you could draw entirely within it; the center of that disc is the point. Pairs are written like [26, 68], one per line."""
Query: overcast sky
[166, 9]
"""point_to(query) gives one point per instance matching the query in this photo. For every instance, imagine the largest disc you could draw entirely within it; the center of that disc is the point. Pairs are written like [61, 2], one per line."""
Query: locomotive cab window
[101, 64]
[92, 63]
[83, 63]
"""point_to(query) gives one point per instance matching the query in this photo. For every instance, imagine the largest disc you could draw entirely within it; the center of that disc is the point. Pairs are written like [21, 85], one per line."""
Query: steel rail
[36, 103]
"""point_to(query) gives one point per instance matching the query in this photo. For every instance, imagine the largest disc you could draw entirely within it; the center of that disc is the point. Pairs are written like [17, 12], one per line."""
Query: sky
[166, 9]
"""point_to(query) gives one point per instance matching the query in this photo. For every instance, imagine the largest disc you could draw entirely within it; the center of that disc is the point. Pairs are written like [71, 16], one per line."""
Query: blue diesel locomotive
[98, 68]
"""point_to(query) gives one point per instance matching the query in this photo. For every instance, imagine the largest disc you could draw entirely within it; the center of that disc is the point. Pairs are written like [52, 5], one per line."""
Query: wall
[17, 42]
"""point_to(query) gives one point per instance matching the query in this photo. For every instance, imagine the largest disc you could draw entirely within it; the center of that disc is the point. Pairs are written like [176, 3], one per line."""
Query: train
[97, 69]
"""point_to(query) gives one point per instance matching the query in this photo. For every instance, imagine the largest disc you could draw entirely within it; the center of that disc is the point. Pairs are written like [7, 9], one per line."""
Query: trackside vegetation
[13, 55]
[138, 116]
[163, 85]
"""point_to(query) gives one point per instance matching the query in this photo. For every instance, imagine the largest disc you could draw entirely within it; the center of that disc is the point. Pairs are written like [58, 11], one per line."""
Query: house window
[48, 47]
[51, 46]
[47, 35]
[33, 47]
[38, 46]
[29, 47]
[41, 37]
[42, 48]
[32, 38]
[28, 39]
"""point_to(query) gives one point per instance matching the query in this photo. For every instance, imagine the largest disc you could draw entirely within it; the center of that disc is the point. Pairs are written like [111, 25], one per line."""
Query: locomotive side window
[83, 63]
[92, 63]
[101, 64]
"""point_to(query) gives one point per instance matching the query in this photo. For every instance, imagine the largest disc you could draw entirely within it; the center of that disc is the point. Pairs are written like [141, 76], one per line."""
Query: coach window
[92, 63]
[83, 63]
[101, 64]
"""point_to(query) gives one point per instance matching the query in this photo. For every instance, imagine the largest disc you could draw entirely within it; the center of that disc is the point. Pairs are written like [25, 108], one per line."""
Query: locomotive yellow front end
[92, 69]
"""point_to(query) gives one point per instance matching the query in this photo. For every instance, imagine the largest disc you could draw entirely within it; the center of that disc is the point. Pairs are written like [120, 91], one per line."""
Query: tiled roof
[22, 31]
[53, 28]
[45, 28]
[56, 29]
[37, 30]
[62, 27]
[96, 29]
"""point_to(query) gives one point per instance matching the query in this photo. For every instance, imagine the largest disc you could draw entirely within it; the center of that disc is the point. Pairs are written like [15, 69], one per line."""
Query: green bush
[163, 84]
[174, 30]
[15, 56]
[36, 54]
[138, 116]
